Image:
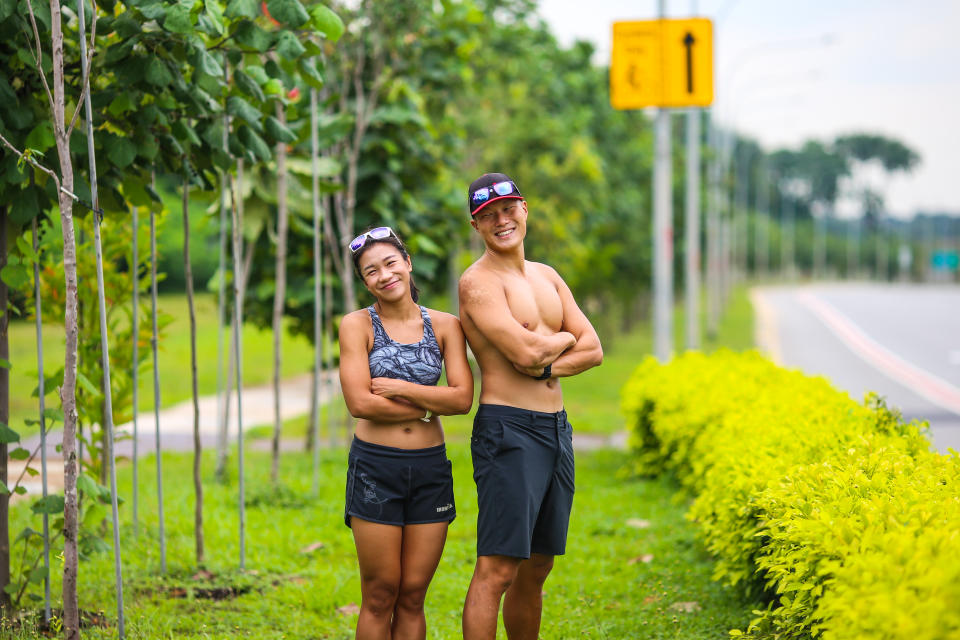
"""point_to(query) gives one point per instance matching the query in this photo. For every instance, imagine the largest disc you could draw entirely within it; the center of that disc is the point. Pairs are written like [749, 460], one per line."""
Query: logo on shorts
[445, 507]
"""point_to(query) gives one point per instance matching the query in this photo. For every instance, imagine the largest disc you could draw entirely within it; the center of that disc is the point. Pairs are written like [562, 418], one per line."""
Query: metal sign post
[667, 63]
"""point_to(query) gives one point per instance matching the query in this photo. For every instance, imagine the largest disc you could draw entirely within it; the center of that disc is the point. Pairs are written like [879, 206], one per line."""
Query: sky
[787, 72]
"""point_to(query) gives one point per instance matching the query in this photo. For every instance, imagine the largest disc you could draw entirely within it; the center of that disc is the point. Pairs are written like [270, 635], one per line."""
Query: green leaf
[41, 137]
[278, 131]
[120, 151]
[19, 454]
[215, 14]
[88, 485]
[289, 12]
[273, 87]
[237, 106]
[255, 143]
[5, 364]
[248, 85]
[157, 73]
[242, 9]
[327, 22]
[122, 104]
[154, 11]
[38, 575]
[288, 46]
[50, 505]
[185, 133]
[248, 34]
[15, 275]
[20, 490]
[4, 490]
[53, 413]
[7, 8]
[88, 386]
[205, 62]
[33, 473]
[8, 435]
[125, 26]
[308, 71]
[177, 20]
[27, 533]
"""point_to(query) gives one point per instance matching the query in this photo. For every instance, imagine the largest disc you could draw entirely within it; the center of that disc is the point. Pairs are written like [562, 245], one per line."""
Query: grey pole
[104, 347]
[156, 380]
[713, 232]
[662, 234]
[762, 225]
[692, 223]
[43, 421]
[237, 214]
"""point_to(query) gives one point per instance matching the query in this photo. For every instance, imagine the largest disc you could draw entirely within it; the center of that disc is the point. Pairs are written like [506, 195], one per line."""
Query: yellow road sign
[662, 63]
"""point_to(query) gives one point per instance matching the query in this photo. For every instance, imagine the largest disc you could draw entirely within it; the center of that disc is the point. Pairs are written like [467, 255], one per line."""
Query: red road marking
[934, 389]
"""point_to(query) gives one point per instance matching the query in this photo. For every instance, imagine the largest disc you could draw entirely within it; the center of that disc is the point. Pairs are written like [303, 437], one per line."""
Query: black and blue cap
[488, 188]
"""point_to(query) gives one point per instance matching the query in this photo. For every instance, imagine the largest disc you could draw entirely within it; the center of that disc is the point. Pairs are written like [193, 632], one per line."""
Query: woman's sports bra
[419, 362]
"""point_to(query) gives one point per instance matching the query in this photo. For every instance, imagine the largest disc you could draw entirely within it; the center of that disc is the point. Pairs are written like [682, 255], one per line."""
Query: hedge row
[836, 513]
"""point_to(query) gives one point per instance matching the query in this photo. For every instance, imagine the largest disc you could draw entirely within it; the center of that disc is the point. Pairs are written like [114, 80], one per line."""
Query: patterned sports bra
[419, 362]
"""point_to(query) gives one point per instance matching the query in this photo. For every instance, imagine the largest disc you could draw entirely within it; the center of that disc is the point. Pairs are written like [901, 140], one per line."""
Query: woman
[399, 482]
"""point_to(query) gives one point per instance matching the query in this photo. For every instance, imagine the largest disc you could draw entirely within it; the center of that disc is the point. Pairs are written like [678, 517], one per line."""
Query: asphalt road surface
[901, 341]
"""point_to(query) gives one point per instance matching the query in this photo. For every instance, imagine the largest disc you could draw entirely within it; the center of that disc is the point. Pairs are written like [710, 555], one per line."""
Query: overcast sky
[786, 72]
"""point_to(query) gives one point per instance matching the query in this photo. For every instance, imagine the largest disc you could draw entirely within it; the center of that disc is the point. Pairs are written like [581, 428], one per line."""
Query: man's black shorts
[395, 486]
[523, 467]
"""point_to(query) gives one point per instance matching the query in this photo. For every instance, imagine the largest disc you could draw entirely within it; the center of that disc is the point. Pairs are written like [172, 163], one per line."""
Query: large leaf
[278, 131]
[255, 143]
[120, 151]
[177, 20]
[308, 71]
[237, 106]
[250, 35]
[185, 133]
[205, 62]
[8, 435]
[248, 85]
[288, 46]
[52, 504]
[242, 9]
[158, 73]
[289, 12]
[19, 454]
[15, 275]
[327, 22]
[41, 137]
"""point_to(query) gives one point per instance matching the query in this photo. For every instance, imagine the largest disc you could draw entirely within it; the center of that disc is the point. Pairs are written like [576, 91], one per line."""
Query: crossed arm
[575, 348]
[387, 400]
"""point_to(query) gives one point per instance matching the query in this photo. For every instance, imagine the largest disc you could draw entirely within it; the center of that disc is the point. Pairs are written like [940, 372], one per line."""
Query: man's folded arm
[486, 305]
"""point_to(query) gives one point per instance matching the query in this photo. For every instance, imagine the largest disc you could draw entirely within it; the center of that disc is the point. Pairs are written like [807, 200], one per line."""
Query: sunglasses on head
[499, 188]
[379, 233]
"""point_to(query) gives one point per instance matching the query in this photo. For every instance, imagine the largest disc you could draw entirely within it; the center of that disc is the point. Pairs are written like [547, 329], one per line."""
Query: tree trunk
[313, 431]
[223, 396]
[41, 393]
[328, 381]
[279, 294]
[197, 447]
[68, 398]
[5, 420]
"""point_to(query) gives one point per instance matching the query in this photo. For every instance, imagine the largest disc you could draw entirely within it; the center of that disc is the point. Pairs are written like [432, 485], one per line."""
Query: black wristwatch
[545, 375]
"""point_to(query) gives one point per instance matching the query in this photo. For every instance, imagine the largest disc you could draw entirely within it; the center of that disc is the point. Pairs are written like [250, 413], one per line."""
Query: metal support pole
[692, 224]
[713, 233]
[662, 234]
[317, 286]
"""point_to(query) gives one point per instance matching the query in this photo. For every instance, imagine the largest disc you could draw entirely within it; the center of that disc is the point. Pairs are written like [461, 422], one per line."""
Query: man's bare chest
[534, 303]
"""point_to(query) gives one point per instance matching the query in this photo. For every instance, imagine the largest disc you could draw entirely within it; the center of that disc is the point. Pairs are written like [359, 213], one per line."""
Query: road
[902, 341]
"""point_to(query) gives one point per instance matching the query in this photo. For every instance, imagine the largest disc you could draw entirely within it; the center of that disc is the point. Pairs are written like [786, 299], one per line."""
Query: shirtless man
[526, 331]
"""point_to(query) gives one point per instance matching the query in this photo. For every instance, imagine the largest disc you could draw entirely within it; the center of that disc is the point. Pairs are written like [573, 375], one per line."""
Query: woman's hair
[393, 241]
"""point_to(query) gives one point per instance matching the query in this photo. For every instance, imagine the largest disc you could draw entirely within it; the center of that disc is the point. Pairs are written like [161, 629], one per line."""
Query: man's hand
[533, 372]
[387, 387]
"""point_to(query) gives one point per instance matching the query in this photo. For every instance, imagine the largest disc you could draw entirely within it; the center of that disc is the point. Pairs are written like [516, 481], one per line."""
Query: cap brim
[509, 195]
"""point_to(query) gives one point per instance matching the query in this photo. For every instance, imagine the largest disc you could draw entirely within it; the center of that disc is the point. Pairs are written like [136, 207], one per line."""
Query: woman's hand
[388, 387]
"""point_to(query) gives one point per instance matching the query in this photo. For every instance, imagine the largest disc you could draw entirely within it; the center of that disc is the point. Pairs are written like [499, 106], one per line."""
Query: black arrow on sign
[688, 41]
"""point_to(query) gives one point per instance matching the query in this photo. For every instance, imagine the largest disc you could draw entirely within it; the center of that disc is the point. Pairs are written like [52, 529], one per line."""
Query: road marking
[766, 333]
[936, 390]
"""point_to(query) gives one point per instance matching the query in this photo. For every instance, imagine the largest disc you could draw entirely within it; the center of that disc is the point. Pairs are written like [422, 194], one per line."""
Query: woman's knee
[379, 596]
[412, 596]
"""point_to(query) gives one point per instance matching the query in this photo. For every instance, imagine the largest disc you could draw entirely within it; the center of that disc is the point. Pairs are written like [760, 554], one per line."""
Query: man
[526, 331]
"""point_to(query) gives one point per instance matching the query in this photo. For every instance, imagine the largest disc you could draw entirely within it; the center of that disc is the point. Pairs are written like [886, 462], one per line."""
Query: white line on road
[934, 389]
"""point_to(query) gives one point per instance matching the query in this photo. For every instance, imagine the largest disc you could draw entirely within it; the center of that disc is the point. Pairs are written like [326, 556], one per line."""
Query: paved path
[902, 341]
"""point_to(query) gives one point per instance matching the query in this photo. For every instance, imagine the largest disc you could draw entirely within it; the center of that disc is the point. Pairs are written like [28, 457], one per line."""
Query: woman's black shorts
[395, 486]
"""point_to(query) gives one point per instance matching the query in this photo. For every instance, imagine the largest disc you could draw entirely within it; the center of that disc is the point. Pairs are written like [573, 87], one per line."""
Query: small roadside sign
[662, 63]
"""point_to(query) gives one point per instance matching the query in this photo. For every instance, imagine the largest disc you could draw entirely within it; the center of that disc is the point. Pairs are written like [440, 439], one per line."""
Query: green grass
[596, 590]
[173, 356]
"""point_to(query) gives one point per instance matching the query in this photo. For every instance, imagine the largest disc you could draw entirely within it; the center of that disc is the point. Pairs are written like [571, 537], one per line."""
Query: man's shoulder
[544, 270]
[478, 274]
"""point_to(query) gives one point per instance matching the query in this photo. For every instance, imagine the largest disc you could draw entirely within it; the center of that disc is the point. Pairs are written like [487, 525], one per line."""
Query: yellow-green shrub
[837, 512]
